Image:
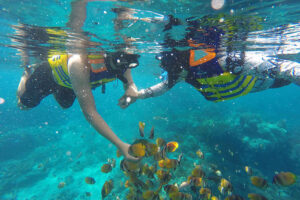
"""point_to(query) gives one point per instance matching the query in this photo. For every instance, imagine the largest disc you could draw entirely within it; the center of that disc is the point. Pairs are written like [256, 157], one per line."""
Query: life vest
[98, 73]
[212, 81]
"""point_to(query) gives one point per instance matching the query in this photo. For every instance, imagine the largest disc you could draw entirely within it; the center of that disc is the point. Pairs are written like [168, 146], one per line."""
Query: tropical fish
[149, 183]
[160, 142]
[170, 163]
[195, 181]
[234, 197]
[253, 196]
[148, 171]
[88, 194]
[248, 170]
[200, 154]
[284, 179]
[163, 176]
[89, 180]
[171, 189]
[119, 153]
[172, 146]
[180, 196]
[151, 149]
[137, 183]
[131, 167]
[106, 168]
[218, 173]
[107, 188]
[214, 198]
[151, 136]
[225, 186]
[259, 182]
[137, 150]
[149, 195]
[205, 193]
[198, 172]
[141, 128]
[61, 185]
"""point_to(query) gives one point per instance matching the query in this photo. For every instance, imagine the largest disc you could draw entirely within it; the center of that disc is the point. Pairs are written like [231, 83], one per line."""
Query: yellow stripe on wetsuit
[226, 86]
[59, 66]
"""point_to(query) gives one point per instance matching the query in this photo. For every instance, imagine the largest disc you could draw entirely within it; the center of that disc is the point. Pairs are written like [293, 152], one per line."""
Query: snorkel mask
[118, 62]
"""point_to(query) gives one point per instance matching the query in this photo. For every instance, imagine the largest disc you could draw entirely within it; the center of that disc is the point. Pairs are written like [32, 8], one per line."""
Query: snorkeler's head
[118, 62]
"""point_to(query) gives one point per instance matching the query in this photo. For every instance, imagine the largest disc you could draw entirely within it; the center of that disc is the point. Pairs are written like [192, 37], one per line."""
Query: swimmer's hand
[130, 96]
[124, 148]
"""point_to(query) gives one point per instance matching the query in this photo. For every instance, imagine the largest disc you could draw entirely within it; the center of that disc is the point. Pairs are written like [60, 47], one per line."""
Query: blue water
[42, 147]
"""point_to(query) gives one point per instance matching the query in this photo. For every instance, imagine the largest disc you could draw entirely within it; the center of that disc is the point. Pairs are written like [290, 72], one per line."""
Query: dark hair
[118, 62]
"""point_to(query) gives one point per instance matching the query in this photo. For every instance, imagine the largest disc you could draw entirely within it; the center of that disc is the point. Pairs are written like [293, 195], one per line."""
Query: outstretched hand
[125, 149]
[130, 96]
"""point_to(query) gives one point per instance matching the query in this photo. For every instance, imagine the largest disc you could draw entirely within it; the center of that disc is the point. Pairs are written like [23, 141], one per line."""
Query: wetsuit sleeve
[153, 91]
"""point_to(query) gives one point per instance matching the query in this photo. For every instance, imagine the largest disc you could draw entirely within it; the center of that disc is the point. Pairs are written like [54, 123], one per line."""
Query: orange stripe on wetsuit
[211, 54]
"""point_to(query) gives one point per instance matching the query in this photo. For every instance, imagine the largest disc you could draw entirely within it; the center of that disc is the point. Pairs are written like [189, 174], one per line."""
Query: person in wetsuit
[217, 73]
[73, 75]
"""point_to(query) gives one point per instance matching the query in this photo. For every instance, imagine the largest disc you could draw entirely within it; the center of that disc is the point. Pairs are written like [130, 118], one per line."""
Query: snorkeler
[211, 64]
[71, 75]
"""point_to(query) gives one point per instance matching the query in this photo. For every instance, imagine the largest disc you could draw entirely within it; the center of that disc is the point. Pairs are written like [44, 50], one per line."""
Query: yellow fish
[205, 193]
[170, 163]
[253, 196]
[198, 172]
[172, 146]
[128, 166]
[141, 128]
[214, 198]
[163, 176]
[171, 189]
[200, 154]
[61, 185]
[259, 182]
[148, 171]
[234, 197]
[248, 170]
[180, 196]
[225, 186]
[107, 188]
[137, 150]
[284, 179]
[151, 149]
[195, 181]
[149, 195]
[106, 168]
[89, 180]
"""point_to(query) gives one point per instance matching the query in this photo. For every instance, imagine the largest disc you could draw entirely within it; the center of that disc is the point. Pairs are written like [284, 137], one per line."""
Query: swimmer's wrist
[145, 93]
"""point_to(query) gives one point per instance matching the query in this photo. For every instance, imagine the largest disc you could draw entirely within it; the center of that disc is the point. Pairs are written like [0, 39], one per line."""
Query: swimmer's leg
[290, 70]
[34, 86]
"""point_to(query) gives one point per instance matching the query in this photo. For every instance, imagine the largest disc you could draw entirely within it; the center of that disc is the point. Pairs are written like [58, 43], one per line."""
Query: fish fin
[179, 158]
[151, 133]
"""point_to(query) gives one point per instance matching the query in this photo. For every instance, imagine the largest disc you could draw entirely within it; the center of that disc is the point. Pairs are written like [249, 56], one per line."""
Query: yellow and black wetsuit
[209, 78]
[205, 73]
[98, 74]
[52, 77]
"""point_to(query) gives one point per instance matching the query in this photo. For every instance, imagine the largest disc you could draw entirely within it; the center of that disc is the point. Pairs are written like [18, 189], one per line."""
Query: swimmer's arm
[78, 15]
[79, 74]
[130, 90]
[154, 91]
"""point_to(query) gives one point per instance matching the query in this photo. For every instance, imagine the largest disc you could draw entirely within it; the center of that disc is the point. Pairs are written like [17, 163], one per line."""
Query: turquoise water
[42, 147]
